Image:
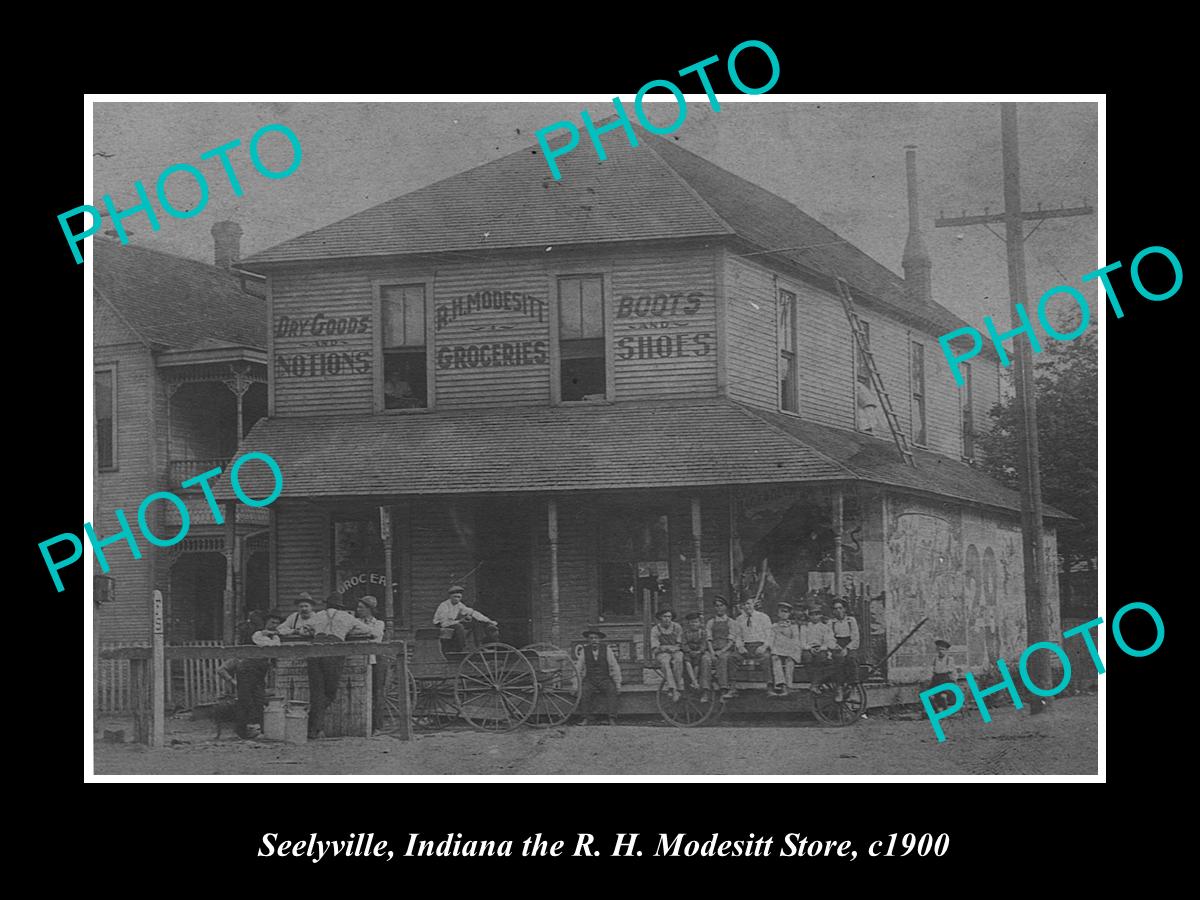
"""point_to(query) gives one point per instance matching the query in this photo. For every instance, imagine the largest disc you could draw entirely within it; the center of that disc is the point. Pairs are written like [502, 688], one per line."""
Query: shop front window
[358, 560]
[635, 569]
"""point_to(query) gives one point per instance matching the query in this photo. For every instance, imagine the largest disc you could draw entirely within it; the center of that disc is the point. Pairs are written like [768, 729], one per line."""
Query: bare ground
[1062, 741]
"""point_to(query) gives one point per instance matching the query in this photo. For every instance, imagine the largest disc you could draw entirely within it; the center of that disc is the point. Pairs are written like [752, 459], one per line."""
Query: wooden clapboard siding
[943, 404]
[486, 384]
[685, 364]
[127, 618]
[301, 560]
[750, 333]
[337, 294]
[889, 345]
[655, 277]
[442, 552]
[825, 356]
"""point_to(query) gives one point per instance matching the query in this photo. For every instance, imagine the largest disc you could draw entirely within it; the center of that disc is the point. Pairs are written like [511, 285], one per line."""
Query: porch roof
[702, 443]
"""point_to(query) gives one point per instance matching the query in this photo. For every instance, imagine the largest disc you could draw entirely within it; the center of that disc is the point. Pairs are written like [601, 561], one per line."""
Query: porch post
[227, 616]
[552, 527]
[837, 542]
[697, 564]
[385, 534]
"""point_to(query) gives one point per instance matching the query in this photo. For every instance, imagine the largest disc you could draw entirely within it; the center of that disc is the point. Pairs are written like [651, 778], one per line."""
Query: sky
[842, 163]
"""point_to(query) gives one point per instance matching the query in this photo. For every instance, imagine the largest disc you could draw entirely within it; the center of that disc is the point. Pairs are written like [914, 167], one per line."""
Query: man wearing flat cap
[785, 649]
[452, 617]
[601, 675]
[331, 624]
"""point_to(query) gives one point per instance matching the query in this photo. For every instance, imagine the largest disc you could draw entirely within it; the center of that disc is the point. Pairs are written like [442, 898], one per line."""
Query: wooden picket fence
[190, 682]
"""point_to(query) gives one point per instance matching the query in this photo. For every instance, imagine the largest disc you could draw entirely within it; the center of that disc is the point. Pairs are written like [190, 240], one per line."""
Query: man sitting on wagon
[845, 650]
[723, 651]
[601, 676]
[452, 617]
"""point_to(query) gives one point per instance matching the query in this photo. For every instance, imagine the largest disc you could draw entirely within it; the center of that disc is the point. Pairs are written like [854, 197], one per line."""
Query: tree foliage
[1067, 380]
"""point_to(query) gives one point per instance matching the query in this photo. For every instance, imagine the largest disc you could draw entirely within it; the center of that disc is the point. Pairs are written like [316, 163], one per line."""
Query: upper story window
[917, 379]
[967, 399]
[789, 388]
[583, 367]
[105, 386]
[405, 361]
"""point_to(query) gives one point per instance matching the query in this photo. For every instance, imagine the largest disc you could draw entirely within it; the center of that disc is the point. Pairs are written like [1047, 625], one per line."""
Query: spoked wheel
[559, 685]
[689, 710]
[831, 711]
[496, 688]
[391, 700]
[434, 703]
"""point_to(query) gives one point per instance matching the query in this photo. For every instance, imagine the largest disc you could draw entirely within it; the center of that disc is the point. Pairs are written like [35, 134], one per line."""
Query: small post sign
[157, 677]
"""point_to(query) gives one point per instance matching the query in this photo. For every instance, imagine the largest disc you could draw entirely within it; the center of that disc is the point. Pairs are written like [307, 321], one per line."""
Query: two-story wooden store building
[635, 387]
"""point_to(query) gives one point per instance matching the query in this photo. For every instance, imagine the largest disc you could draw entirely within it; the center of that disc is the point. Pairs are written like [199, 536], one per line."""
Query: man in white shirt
[452, 615]
[816, 641]
[331, 624]
[379, 669]
[752, 636]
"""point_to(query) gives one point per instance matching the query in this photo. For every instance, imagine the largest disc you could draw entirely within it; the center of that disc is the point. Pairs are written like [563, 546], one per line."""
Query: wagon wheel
[435, 705]
[496, 688]
[559, 685]
[391, 700]
[689, 710]
[831, 711]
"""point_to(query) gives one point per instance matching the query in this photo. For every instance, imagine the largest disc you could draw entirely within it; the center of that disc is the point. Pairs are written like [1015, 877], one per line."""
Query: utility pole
[1036, 612]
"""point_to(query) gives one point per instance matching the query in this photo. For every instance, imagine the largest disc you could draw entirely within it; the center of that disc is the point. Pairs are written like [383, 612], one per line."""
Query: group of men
[696, 653]
[693, 653]
[330, 622]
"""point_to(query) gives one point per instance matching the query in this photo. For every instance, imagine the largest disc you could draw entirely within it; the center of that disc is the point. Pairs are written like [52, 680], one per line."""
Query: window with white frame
[789, 387]
[405, 363]
[105, 407]
[582, 364]
[917, 378]
[966, 395]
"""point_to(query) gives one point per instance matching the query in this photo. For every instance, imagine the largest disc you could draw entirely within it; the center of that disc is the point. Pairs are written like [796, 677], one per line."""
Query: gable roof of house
[176, 303]
[655, 191]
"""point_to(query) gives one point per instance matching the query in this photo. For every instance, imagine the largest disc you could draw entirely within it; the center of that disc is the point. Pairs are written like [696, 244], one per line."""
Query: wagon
[822, 697]
[495, 687]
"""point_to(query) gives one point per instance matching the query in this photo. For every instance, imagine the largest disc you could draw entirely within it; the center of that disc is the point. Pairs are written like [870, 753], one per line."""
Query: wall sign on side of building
[324, 338]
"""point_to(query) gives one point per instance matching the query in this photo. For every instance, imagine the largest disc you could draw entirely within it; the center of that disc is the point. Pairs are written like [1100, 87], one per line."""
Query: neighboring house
[180, 377]
[632, 388]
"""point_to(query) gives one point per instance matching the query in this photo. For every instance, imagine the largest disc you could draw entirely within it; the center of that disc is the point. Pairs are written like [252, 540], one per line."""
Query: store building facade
[589, 399]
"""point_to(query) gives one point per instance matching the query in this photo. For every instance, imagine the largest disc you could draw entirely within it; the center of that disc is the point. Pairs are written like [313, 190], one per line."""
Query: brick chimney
[227, 243]
[918, 269]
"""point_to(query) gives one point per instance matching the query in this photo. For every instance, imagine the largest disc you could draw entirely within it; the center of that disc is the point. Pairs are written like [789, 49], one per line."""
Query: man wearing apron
[721, 646]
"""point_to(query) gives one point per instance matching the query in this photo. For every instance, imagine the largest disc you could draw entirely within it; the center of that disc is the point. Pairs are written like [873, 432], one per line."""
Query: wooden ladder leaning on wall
[860, 340]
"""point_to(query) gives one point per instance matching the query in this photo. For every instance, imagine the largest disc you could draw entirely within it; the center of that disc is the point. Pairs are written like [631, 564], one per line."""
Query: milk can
[296, 723]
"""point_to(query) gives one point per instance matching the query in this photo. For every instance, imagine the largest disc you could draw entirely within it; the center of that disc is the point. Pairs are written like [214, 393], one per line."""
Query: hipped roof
[584, 448]
[656, 191]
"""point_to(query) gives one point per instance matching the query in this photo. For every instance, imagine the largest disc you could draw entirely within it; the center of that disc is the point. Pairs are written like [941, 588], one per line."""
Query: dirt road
[1060, 742]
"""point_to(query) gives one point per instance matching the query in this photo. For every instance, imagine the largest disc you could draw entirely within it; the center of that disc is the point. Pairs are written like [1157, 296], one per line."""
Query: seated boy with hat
[666, 646]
